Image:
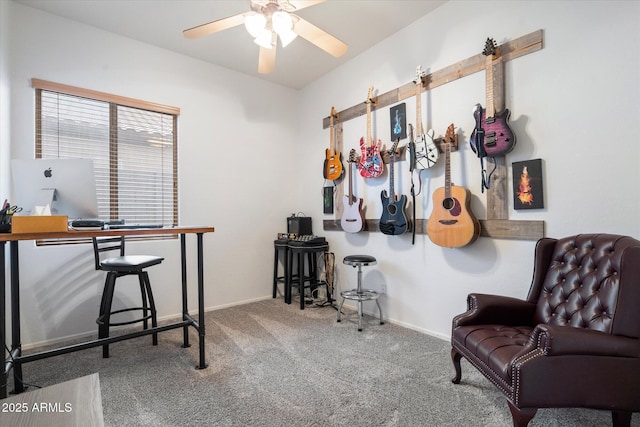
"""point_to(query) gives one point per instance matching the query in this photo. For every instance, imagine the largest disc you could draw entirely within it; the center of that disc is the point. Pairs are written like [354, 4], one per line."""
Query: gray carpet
[271, 364]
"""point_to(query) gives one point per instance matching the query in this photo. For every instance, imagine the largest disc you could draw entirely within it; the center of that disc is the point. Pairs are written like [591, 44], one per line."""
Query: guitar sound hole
[448, 203]
[392, 209]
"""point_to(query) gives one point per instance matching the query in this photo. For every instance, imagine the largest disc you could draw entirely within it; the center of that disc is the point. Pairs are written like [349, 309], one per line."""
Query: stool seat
[130, 262]
[359, 295]
[356, 260]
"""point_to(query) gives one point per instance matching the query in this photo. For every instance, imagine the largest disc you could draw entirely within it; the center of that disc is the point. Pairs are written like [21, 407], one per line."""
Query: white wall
[237, 141]
[574, 104]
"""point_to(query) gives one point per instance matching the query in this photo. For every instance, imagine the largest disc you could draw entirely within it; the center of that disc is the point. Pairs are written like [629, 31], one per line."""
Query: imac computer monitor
[68, 186]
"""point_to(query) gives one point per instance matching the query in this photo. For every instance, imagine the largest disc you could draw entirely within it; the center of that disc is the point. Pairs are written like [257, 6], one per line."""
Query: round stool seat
[355, 260]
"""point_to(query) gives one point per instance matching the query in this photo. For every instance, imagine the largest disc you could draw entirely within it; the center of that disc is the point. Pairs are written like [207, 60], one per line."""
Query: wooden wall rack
[497, 224]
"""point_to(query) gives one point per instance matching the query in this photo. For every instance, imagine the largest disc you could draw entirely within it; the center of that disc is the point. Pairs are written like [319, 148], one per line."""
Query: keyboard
[133, 226]
[309, 239]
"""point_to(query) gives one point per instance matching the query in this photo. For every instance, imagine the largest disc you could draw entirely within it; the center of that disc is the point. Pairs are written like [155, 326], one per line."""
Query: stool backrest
[107, 244]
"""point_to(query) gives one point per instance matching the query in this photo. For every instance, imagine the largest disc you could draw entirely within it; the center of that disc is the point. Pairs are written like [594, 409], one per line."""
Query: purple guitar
[498, 137]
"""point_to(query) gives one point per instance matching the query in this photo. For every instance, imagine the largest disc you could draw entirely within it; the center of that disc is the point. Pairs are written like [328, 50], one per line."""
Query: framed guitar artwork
[398, 118]
[527, 184]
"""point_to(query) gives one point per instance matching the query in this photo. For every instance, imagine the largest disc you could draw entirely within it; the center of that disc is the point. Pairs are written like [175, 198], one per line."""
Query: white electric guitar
[352, 220]
[426, 153]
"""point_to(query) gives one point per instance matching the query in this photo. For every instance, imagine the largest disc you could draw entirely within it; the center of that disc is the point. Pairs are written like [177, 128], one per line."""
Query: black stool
[360, 295]
[280, 246]
[295, 273]
[118, 267]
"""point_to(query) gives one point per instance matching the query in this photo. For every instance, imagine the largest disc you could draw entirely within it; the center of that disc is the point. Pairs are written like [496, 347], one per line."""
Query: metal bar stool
[360, 295]
[123, 265]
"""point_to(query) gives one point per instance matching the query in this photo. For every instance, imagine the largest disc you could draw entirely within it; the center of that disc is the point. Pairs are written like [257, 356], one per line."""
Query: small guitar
[333, 161]
[352, 220]
[371, 165]
[393, 220]
[498, 137]
[426, 153]
[452, 224]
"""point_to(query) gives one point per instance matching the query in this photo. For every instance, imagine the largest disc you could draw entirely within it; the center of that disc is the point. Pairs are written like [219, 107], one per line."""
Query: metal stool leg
[380, 310]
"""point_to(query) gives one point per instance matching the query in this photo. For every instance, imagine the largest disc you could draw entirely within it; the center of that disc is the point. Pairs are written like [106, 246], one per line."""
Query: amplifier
[300, 225]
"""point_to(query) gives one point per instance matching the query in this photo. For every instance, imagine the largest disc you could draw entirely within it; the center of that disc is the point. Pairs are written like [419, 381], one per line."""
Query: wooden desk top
[72, 234]
[72, 403]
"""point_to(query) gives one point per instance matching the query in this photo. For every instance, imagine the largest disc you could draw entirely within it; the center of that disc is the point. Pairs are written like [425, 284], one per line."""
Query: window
[133, 145]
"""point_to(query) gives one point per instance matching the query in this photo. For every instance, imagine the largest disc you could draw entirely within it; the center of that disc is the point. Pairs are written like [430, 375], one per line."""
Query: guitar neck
[447, 170]
[350, 183]
[490, 109]
[369, 140]
[392, 195]
[418, 109]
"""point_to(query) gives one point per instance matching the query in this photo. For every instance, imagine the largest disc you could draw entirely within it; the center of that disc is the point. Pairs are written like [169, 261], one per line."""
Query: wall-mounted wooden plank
[493, 228]
[510, 50]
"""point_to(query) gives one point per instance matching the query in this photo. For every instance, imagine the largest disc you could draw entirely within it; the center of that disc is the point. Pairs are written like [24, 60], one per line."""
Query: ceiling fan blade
[320, 38]
[214, 26]
[267, 60]
[301, 4]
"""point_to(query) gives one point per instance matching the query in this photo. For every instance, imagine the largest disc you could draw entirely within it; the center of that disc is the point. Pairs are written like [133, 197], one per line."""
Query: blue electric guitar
[393, 220]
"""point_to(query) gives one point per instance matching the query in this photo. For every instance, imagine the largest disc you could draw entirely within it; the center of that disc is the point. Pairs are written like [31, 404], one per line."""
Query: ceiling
[360, 24]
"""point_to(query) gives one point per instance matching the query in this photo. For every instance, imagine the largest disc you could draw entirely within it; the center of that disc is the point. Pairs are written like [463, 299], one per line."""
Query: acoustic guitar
[371, 165]
[352, 220]
[333, 161]
[425, 153]
[498, 139]
[452, 224]
[393, 220]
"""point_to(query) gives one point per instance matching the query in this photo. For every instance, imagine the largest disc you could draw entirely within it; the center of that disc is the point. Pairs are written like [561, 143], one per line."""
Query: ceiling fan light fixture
[255, 23]
[281, 21]
[287, 37]
[265, 39]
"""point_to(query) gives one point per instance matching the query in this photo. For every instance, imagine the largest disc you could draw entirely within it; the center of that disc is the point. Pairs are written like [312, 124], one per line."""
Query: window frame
[114, 101]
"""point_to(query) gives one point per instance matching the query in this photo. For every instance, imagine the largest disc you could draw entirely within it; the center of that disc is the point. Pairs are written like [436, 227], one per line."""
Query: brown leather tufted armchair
[575, 340]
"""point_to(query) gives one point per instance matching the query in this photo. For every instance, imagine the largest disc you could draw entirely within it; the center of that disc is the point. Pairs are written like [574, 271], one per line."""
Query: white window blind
[134, 150]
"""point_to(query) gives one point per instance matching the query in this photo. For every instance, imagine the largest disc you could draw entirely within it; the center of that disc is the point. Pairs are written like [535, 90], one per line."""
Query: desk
[71, 403]
[16, 358]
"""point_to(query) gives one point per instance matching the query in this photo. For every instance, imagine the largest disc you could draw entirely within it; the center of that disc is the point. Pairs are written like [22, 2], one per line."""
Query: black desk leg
[3, 336]
[202, 364]
[16, 346]
[185, 309]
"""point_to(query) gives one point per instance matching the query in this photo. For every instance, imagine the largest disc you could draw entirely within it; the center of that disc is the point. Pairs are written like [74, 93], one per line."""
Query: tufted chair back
[575, 340]
[581, 287]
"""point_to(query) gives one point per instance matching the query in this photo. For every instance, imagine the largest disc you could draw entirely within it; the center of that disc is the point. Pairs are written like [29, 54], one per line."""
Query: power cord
[25, 385]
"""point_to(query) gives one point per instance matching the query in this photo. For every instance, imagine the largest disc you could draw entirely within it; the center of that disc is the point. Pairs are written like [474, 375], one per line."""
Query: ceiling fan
[269, 20]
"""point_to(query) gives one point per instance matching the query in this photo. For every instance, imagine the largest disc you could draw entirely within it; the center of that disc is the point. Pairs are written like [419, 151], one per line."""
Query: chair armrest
[554, 340]
[496, 309]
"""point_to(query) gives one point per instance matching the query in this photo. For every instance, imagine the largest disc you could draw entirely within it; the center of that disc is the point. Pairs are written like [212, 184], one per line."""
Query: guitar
[352, 220]
[426, 153]
[452, 224]
[333, 162]
[393, 220]
[498, 138]
[371, 165]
